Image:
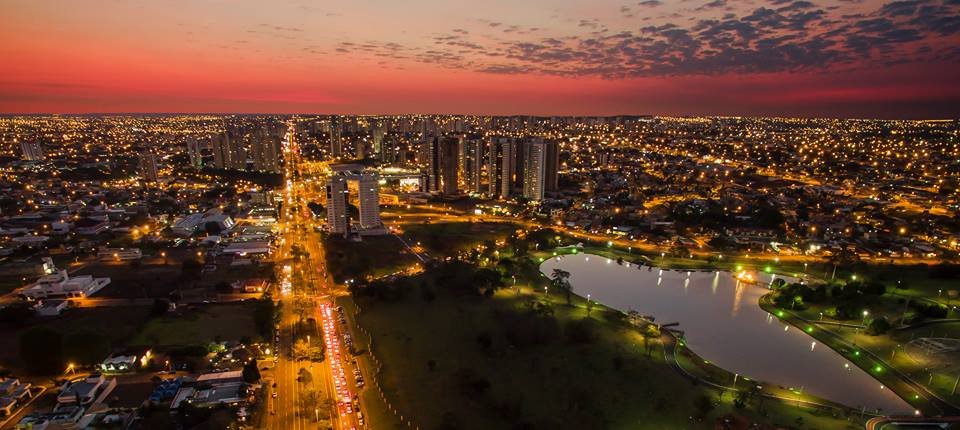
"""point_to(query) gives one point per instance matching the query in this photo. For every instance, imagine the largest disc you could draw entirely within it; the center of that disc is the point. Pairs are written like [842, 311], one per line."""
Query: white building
[86, 390]
[62, 285]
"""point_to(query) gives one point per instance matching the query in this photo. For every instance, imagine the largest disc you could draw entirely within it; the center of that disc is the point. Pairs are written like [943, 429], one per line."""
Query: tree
[251, 374]
[86, 347]
[190, 269]
[650, 331]
[878, 326]
[41, 350]
[160, 307]
[561, 279]
[703, 405]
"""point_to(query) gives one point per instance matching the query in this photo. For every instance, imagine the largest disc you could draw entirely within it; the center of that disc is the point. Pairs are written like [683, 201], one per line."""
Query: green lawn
[225, 322]
[609, 383]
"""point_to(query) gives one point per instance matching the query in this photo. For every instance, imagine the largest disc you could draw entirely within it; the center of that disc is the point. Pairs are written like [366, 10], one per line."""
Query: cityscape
[557, 215]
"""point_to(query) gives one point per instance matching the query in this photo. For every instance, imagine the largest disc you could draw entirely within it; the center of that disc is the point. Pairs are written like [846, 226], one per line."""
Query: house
[60, 284]
[119, 364]
[12, 394]
[61, 417]
[86, 391]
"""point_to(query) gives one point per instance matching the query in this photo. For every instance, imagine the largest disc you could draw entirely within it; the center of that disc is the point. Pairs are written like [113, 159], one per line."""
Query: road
[308, 395]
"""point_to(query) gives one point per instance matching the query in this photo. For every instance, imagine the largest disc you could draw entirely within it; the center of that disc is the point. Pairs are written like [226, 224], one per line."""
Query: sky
[807, 58]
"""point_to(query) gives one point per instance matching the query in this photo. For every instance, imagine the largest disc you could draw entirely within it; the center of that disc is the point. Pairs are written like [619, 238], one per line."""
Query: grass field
[224, 322]
[444, 239]
[118, 324]
[434, 362]
[373, 256]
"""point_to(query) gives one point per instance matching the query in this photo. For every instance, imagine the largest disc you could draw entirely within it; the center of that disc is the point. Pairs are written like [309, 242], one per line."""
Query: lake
[723, 323]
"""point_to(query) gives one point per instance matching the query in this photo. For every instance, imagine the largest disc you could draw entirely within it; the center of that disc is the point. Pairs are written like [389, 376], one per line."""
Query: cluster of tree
[878, 326]
[856, 289]
[266, 314]
[945, 271]
[713, 214]
[269, 180]
[796, 295]
[45, 351]
[931, 310]
[457, 278]
[545, 238]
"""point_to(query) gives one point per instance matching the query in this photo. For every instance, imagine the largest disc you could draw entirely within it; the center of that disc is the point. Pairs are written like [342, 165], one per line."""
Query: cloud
[775, 36]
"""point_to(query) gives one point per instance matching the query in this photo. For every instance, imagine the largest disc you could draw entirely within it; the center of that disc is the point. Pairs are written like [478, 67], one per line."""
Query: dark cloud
[777, 36]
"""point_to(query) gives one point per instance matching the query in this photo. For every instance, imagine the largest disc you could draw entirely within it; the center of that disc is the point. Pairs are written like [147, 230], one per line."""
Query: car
[274, 394]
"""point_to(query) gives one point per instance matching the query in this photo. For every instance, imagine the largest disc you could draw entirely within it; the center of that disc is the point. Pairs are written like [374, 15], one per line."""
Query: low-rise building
[87, 390]
[62, 285]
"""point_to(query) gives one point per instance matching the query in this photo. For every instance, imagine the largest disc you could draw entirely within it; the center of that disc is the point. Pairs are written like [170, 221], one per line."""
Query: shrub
[878, 326]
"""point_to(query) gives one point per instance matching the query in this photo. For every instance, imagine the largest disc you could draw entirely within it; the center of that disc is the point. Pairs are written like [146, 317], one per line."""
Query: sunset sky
[839, 58]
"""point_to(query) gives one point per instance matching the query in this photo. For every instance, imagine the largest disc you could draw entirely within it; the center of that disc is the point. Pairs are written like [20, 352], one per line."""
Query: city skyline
[868, 59]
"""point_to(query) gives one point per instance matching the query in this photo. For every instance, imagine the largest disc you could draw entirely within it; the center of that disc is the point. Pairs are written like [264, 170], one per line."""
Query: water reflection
[723, 323]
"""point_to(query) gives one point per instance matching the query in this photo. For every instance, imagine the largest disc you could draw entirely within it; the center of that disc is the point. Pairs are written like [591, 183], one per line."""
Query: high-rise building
[193, 150]
[540, 168]
[369, 195]
[148, 167]
[472, 164]
[336, 142]
[266, 152]
[31, 151]
[501, 162]
[377, 133]
[337, 220]
[220, 144]
[428, 157]
[449, 149]
[238, 153]
[368, 201]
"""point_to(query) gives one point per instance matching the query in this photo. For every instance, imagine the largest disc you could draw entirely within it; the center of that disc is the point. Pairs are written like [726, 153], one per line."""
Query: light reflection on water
[724, 324]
